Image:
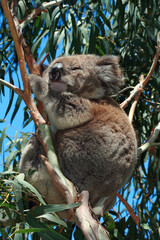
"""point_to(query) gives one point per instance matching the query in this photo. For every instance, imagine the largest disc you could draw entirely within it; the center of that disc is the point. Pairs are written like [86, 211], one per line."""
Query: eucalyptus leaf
[53, 218]
[20, 180]
[3, 135]
[52, 208]
[49, 234]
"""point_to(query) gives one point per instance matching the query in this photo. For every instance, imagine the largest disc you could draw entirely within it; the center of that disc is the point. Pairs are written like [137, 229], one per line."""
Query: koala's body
[94, 140]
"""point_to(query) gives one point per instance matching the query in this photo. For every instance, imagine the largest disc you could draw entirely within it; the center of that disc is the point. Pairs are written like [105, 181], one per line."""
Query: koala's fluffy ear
[112, 61]
[108, 60]
[111, 76]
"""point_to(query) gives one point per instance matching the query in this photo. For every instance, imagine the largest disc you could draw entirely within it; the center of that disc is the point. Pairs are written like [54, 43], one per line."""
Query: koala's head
[89, 76]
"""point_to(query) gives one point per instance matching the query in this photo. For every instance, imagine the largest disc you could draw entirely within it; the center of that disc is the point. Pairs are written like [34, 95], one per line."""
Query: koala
[94, 141]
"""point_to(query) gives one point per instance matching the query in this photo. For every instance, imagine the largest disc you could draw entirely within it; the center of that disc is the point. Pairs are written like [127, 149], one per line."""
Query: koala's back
[99, 155]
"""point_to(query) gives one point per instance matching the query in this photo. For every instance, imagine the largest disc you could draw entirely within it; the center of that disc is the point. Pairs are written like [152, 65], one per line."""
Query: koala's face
[88, 76]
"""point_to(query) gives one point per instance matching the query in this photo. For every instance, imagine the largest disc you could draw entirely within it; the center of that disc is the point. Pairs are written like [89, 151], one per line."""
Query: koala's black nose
[55, 71]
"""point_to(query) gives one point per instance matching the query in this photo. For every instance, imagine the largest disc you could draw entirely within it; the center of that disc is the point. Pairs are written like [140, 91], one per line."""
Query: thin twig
[155, 60]
[134, 104]
[11, 86]
[38, 10]
[122, 91]
[41, 63]
[151, 102]
[130, 210]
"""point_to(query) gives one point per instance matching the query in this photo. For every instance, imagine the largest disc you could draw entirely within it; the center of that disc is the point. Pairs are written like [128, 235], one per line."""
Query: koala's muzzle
[55, 72]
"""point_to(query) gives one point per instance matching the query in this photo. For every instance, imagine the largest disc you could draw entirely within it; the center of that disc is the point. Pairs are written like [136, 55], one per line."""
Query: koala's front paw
[38, 85]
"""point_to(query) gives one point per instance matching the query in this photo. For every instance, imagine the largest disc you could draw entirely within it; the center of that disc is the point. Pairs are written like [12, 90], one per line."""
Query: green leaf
[2, 120]
[19, 100]
[31, 230]
[118, 235]
[13, 143]
[38, 40]
[110, 222]
[3, 232]
[10, 103]
[6, 173]
[18, 197]
[18, 236]
[105, 19]
[26, 185]
[92, 40]
[9, 159]
[3, 135]
[52, 208]
[145, 226]
[100, 50]
[49, 234]
[21, 9]
[7, 205]
[52, 217]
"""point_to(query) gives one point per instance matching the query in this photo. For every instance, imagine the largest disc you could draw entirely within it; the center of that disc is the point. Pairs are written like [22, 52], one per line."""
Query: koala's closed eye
[74, 68]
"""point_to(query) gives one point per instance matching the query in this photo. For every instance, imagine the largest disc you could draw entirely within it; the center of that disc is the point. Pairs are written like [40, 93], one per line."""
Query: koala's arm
[65, 110]
[68, 111]
[39, 86]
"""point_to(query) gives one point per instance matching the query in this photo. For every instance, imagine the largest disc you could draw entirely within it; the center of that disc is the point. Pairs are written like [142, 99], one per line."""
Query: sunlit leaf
[19, 100]
[52, 208]
[2, 137]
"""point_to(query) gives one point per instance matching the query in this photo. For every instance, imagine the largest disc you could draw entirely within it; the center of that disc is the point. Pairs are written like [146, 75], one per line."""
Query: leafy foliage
[125, 28]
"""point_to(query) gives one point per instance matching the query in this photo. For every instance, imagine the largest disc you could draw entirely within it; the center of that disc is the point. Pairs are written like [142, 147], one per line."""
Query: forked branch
[90, 226]
[141, 85]
[151, 140]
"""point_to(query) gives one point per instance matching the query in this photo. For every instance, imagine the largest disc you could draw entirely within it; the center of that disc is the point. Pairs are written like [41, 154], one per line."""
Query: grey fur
[94, 140]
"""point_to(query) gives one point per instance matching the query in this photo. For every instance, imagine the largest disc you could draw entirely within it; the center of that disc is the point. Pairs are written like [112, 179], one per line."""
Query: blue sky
[17, 124]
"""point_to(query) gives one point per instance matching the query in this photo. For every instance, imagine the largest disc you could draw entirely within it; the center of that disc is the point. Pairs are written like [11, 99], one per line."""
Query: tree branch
[28, 56]
[134, 104]
[151, 140]
[91, 228]
[60, 182]
[19, 50]
[155, 60]
[130, 210]
[26, 96]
